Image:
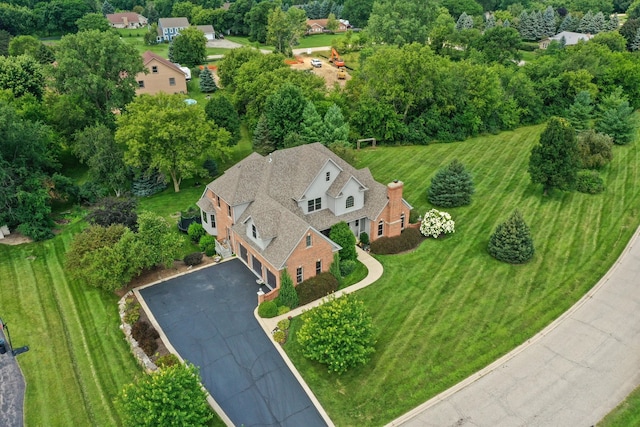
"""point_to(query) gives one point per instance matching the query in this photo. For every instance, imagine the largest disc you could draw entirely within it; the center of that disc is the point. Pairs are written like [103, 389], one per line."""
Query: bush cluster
[347, 267]
[194, 258]
[409, 239]
[167, 360]
[196, 231]
[280, 336]
[208, 245]
[316, 287]
[268, 309]
[146, 336]
[131, 311]
[589, 182]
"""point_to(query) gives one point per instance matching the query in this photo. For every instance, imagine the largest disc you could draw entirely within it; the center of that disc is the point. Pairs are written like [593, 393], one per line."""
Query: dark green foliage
[589, 182]
[287, 296]
[409, 239]
[194, 258]
[596, 149]
[167, 360]
[262, 142]
[334, 268]
[113, 210]
[364, 238]
[338, 333]
[107, 8]
[5, 39]
[283, 110]
[615, 118]
[172, 396]
[451, 186]
[212, 167]
[512, 242]
[196, 231]
[148, 184]
[189, 48]
[220, 109]
[316, 287]
[347, 267]
[342, 235]
[146, 336]
[207, 245]
[580, 112]
[629, 30]
[207, 84]
[35, 231]
[554, 162]
[268, 309]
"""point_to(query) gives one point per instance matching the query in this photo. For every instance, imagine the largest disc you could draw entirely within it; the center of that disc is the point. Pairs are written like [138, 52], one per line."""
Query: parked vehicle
[342, 73]
[316, 63]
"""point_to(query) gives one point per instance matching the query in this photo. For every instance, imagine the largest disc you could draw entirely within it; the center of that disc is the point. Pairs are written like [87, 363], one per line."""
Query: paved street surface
[12, 388]
[571, 374]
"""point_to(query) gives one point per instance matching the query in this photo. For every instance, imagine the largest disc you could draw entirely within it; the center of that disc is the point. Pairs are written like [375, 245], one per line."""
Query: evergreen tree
[506, 23]
[451, 186]
[511, 242]
[334, 269]
[287, 295]
[335, 127]
[261, 141]
[615, 117]
[465, 22]
[554, 161]
[44, 54]
[107, 8]
[635, 43]
[207, 84]
[537, 24]
[5, 39]
[312, 127]
[580, 112]
[490, 23]
[525, 26]
[586, 23]
[569, 23]
[614, 23]
[549, 21]
[598, 23]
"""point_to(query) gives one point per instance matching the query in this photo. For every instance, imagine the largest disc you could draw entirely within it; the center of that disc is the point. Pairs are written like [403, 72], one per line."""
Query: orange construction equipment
[335, 58]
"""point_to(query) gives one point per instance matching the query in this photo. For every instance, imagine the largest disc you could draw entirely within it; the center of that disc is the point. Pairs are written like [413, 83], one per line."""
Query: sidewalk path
[572, 373]
[12, 387]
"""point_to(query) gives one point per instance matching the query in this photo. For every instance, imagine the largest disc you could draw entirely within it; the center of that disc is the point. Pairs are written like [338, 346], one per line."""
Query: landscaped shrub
[196, 231]
[338, 333]
[436, 223]
[208, 245]
[279, 336]
[347, 267]
[212, 167]
[409, 239]
[167, 360]
[194, 258]
[334, 268]
[287, 295]
[146, 337]
[282, 309]
[364, 238]
[512, 242]
[595, 149]
[284, 324]
[316, 287]
[267, 309]
[131, 311]
[342, 235]
[589, 182]
[149, 347]
[115, 210]
[451, 186]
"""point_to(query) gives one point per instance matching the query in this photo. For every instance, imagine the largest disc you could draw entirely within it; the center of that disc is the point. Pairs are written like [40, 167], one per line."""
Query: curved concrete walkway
[572, 373]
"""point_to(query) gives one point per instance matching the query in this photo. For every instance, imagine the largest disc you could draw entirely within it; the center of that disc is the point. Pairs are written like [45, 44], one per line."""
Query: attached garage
[271, 279]
[257, 266]
[243, 254]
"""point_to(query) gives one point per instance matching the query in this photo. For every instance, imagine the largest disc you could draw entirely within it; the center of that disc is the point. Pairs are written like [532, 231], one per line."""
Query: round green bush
[589, 182]
[208, 245]
[364, 238]
[167, 360]
[194, 258]
[347, 267]
[196, 231]
[268, 309]
[284, 324]
[279, 337]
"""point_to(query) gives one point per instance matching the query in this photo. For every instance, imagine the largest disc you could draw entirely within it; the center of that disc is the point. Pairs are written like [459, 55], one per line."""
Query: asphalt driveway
[208, 317]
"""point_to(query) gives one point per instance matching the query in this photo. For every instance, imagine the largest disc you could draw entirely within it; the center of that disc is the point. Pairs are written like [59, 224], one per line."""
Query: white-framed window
[380, 228]
[204, 216]
[314, 204]
[299, 276]
[154, 69]
[318, 267]
[141, 84]
[308, 240]
[350, 202]
[172, 81]
[213, 221]
[402, 221]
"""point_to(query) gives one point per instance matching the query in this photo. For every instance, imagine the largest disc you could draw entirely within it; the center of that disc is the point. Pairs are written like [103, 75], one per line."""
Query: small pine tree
[598, 23]
[506, 23]
[465, 22]
[207, 84]
[569, 23]
[616, 118]
[580, 112]
[451, 186]
[312, 127]
[287, 295]
[586, 23]
[334, 269]
[261, 141]
[549, 21]
[635, 43]
[490, 23]
[512, 242]
[107, 8]
[614, 23]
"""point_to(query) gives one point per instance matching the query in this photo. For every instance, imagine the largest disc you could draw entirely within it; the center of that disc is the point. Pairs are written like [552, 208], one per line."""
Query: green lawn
[626, 414]
[449, 309]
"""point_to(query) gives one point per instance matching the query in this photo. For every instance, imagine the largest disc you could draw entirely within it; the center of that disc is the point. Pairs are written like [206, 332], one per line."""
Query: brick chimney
[395, 208]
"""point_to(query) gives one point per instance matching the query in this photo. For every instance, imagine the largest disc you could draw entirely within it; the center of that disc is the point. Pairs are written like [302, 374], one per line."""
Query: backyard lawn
[449, 309]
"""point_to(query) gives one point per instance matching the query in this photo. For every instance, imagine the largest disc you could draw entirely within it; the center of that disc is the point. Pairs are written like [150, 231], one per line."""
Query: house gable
[161, 76]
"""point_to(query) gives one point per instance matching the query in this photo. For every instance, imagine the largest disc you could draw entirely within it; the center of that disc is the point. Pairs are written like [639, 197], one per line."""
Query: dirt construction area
[328, 72]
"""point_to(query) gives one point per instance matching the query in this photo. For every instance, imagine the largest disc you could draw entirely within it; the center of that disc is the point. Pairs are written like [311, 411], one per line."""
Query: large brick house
[276, 211]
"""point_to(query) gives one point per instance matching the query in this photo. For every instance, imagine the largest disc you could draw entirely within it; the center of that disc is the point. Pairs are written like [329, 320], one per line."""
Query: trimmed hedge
[194, 258]
[316, 287]
[410, 238]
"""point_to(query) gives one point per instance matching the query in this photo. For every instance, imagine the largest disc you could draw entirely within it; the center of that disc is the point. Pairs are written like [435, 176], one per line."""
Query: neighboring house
[168, 28]
[163, 76]
[208, 31]
[318, 26]
[570, 39]
[128, 20]
[276, 212]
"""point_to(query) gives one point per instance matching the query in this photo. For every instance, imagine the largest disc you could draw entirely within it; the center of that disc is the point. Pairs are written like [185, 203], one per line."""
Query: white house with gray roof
[276, 211]
[570, 39]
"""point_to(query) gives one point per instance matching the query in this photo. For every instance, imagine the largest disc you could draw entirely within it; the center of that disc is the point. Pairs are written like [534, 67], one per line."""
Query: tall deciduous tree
[402, 21]
[24, 45]
[220, 109]
[284, 111]
[22, 75]
[163, 132]
[93, 21]
[258, 19]
[554, 162]
[189, 48]
[284, 29]
[98, 70]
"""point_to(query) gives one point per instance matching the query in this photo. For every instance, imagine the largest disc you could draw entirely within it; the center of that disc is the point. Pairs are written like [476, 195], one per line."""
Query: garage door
[257, 266]
[243, 254]
[271, 279]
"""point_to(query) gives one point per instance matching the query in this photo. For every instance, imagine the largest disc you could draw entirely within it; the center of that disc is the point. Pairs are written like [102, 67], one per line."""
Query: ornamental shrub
[338, 333]
[589, 182]
[512, 242]
[347, 267]
[316, 287]
[192, 259]
[284, 324]
[167, 360]
[267, 309]
[282, 309]
[287, 295]
[334, 268]
[196, 231]
[341, 234]
[595, 149]
[364, 238]
[451, 186]
[208, 245]
[436, 223]
[409, 239]
[279, 336]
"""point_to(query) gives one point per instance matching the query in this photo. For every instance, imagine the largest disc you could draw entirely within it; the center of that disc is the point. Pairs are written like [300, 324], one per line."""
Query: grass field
[449, 309]
[626, 414]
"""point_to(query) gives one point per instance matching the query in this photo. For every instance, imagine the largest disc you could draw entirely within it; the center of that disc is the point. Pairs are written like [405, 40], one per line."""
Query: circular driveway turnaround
[571, 374]
[208, 317]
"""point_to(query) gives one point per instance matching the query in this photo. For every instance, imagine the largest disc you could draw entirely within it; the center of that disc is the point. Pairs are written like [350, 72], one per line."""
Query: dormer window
[350, 202]
[327, 176]
[314, 205]
[254, 232]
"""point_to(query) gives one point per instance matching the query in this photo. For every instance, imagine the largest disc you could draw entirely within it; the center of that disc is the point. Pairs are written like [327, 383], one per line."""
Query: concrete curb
[504, 359]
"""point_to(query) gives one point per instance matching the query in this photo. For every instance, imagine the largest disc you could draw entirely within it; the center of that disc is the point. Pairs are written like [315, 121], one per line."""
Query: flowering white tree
[436, 223]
